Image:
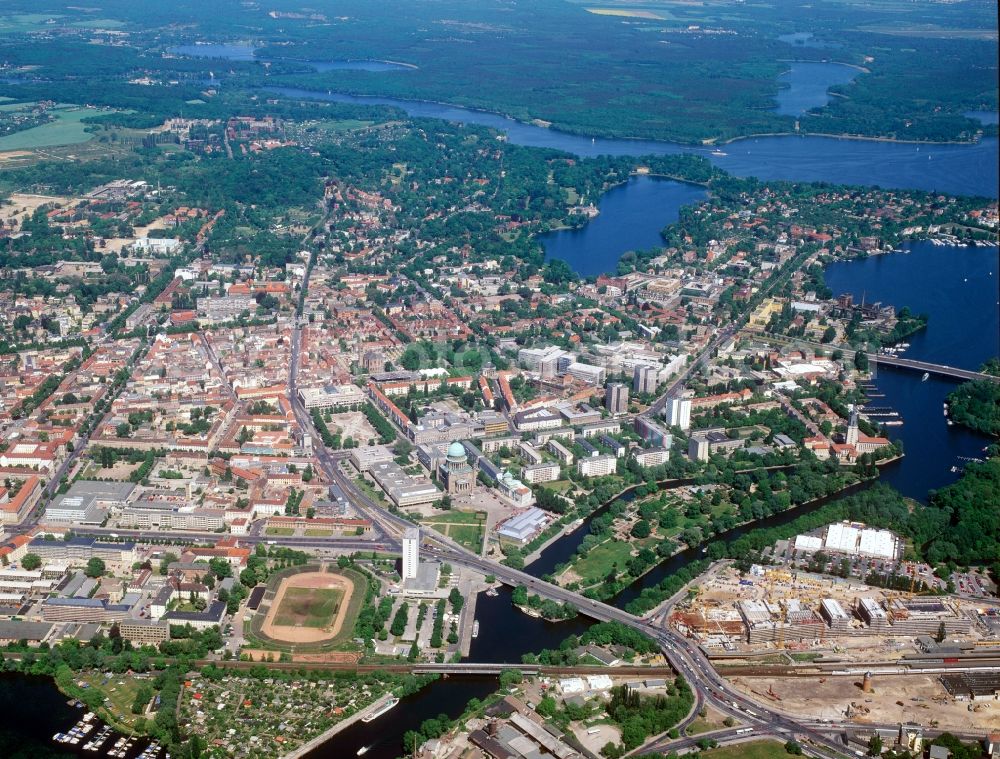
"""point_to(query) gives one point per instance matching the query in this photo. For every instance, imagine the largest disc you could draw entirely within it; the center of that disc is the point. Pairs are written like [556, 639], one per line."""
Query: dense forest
[700, 71]
[976, 404]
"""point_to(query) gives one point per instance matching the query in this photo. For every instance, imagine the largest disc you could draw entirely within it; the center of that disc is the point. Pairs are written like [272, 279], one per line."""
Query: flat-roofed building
[365, 457]
[591, 375]
[597, 466]
[332, 397]
[834, 614]
[872, 614]
[79, 550]
[82, 610]
[525, 525]
[651, 456]
[537, 473]
[144, 631]
[404, 489]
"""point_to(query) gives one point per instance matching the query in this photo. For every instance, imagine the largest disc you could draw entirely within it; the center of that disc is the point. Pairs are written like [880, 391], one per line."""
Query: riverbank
[536, 122]
[322, 738]
[635, 581]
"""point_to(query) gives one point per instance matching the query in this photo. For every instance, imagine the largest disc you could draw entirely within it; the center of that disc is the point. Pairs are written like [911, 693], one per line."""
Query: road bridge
[952, 372]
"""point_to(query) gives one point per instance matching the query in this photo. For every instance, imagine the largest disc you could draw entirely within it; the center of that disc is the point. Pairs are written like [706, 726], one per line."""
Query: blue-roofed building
[82, 610]
[78, 551]
[200, 620]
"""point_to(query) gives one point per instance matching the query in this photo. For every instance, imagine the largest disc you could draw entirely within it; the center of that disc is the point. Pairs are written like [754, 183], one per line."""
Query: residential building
[616, 398]
[644, 379]
[537, 473]
[597, 466]
[679, 413]
[411, 552]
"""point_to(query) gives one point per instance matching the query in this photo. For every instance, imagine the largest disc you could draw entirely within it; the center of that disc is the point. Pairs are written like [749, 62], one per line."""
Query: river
[956, 169]
[246, 53]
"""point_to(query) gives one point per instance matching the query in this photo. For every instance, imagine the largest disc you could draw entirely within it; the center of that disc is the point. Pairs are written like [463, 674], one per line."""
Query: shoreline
[323, 737]
[705, 143]
[704, 544]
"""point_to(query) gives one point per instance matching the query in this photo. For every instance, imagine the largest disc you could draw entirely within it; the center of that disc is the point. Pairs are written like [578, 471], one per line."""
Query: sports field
[311, 607]
[308, 607]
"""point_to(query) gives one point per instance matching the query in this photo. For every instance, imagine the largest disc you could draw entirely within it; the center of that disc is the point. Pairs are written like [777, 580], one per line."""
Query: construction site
[837, 649]
[777, 609]
[888, 699]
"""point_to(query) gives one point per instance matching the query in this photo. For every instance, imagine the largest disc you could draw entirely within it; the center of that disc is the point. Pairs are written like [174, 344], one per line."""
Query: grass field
[464, 527]
[308, 607]
[750, 750]
[280, 531]
[313, 533]
[598, 562]
[119, 690]
[67, 129]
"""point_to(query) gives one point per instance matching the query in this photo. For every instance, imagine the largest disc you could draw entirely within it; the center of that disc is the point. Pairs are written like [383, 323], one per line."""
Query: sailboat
[927, 376]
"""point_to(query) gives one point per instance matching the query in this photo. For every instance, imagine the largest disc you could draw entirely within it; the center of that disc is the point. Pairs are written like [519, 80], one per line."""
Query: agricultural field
[67, 129]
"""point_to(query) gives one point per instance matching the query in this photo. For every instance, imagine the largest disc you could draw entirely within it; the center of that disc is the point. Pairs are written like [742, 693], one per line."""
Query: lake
[631, 217]
[957, 169]
[808, 85]
[246, 53]
[957, 287]
[806, 39]
[985, 117]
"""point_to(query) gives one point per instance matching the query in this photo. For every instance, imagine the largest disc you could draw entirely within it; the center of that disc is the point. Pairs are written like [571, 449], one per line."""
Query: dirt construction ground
[303, 634]
[923, 699]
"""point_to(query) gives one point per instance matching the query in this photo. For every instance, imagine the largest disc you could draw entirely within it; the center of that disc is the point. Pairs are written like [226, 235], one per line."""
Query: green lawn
[464, 527]
[597, 564]
[121, 696]
[314, 533]
[458, 517]
[469, 536]
[750, 750]
[280, 531]
[308, 607]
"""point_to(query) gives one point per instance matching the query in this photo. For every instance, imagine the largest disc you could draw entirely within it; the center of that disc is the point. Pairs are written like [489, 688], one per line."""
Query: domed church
[455, 472]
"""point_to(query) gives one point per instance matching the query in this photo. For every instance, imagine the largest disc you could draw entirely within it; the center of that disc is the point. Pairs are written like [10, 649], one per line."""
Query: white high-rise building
[679, 413]
[411, 552]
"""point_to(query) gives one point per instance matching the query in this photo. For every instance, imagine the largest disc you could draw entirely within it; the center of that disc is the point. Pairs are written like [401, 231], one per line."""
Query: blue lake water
[985, 117]
[806, 39]
[631, 218]
[246, 53]
[229, 51]
[956, 169]
[808, 85]
[958, 288]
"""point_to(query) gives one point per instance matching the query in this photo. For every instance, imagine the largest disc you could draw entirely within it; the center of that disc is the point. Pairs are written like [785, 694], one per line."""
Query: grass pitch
[309, 607]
